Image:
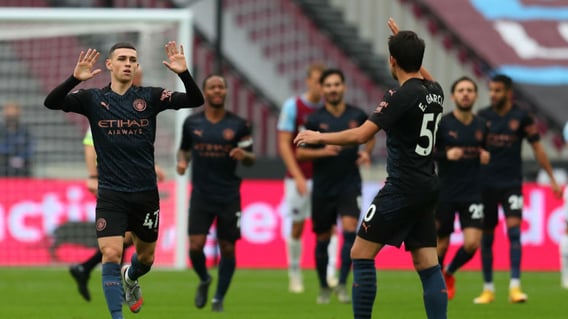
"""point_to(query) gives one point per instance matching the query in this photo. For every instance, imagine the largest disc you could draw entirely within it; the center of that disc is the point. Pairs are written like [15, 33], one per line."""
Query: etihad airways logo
[124, 127]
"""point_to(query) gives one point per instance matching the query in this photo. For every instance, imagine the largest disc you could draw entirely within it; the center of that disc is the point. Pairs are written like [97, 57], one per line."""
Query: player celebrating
[123, 123]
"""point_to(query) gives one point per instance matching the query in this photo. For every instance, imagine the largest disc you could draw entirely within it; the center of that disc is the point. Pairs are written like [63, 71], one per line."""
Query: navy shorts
[326, 210]
[202, 214]
[118, 212]
[395, 218]
[510, 199]
[470, 214]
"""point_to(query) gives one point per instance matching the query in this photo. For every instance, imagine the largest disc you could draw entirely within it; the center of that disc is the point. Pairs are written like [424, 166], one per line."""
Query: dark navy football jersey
[336, 175]
[460, 179]
[410, 115]
[213, 172]
[124, 127]
[504, 142]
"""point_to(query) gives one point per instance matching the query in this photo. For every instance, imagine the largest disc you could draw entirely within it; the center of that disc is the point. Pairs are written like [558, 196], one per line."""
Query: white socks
[564, 260]
[332, 252]
[294, 254]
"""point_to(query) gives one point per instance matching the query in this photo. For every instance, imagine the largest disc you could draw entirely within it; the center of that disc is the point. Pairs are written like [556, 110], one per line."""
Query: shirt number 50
[425, 131]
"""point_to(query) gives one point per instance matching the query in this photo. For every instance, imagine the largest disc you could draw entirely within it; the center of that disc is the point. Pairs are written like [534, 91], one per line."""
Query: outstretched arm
[358, 135]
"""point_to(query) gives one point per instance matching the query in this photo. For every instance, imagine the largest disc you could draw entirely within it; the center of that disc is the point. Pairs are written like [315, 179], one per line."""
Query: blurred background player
[564, 239]
[336, 180]
[82, 272]
[16, 143]
[459, 153]
[216, 140]
[298, 180]
[502, 181]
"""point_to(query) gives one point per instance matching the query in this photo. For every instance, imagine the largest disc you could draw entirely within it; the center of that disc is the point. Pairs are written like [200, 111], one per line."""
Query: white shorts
[298, 208]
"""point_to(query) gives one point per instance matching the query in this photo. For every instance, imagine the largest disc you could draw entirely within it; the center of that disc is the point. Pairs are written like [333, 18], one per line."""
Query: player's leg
[199, 222]
[228, 232]
[140, 264]
[364, 289]
[144, 221]
[374, 232]
[82, 272]
[513, 209]
[324, 216]
[471, 221]
[298, 212]
[332, 253]
[421, 242]
[111, 224]
[435, 297]
[444, 215]
[490, 199]
[111, 247]
[349, 210]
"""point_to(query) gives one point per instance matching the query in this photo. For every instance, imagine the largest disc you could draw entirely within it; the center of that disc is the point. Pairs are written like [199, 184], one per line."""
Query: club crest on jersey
[513, 125]
[228, 134]
[101, 224]
[478, 135]
[139, 105]
[353, 124]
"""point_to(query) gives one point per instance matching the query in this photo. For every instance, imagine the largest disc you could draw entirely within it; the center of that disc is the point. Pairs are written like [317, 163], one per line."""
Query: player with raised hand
[403, 210]
[123, 123]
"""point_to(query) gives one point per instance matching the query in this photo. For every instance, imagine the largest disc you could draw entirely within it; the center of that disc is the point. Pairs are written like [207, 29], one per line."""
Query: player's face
[333, 89]
[498, 94]
[123, 65]
[312, 83]
[215, 92]
[464, 95]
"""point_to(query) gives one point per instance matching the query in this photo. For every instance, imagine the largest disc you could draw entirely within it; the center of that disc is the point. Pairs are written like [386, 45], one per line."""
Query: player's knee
[227, 248]
[111, 254]
[470, 246]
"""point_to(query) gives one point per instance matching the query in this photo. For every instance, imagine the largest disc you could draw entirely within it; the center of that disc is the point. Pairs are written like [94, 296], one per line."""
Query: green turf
[51, 293]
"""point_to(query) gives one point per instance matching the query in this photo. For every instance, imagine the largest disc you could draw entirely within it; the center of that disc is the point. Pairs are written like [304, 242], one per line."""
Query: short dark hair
[462, 79]
[502, 78]
[210, 76]
[329, 72]
[121, 45]
[408, 50]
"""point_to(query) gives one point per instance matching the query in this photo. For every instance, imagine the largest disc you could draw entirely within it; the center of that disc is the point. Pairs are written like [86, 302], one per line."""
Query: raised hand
[393, 26]
[84, 68]
[176, 58]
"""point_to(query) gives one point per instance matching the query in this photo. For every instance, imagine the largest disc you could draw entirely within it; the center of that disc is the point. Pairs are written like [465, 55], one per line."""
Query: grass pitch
[48, 293]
